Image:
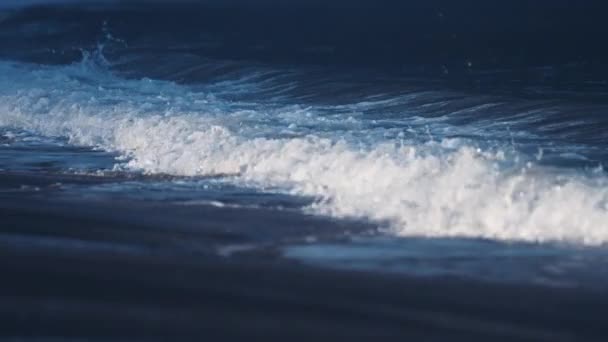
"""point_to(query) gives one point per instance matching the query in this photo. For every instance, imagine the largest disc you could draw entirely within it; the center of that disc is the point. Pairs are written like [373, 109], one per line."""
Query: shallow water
[493, 171]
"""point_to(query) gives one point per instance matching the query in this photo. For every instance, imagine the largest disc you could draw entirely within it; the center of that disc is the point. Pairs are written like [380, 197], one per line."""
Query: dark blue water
[470, 137]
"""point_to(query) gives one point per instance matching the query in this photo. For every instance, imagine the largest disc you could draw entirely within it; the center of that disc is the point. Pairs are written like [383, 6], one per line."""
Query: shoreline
[169, 282]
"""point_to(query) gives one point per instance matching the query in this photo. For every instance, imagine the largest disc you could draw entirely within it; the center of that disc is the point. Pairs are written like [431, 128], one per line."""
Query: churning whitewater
[408, 178]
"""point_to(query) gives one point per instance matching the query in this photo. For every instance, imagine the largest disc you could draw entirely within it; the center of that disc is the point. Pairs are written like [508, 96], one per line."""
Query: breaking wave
[436, 187]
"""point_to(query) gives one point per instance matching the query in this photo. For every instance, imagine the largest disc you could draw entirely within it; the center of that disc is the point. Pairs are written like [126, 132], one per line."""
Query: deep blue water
[470, 137]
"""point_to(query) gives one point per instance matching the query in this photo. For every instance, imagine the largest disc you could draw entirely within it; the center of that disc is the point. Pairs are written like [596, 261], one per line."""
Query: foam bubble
[439, 189]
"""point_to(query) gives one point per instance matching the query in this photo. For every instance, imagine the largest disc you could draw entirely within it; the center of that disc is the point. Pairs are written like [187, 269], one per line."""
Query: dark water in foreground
[345, 170]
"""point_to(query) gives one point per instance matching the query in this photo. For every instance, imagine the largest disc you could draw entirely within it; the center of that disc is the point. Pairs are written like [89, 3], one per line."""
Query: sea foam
[437, 188]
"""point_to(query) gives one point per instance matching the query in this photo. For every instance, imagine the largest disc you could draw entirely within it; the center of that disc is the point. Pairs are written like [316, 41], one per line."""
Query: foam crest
[418, 189]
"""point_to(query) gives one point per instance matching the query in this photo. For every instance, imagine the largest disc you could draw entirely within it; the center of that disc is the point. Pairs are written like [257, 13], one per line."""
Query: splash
[442, 188]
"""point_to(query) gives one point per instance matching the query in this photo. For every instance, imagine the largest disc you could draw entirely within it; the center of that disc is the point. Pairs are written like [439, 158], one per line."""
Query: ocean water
[460, 160]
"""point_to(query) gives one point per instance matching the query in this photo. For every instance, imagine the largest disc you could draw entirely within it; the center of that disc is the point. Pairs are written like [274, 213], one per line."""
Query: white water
[445, 188]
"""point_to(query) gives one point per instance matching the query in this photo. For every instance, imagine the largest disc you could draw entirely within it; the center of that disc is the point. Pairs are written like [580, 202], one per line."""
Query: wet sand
[132, 270]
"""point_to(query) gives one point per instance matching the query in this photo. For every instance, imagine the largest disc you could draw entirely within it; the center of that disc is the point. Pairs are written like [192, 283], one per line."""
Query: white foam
[442, 189]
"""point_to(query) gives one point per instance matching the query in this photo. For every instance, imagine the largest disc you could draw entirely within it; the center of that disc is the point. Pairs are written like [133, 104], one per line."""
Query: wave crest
[437, 189]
